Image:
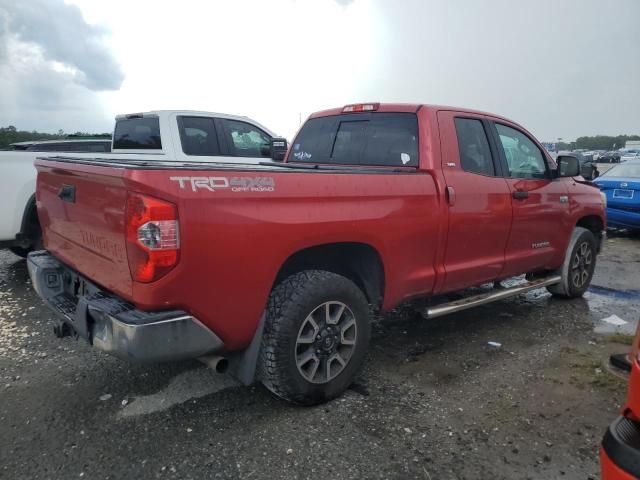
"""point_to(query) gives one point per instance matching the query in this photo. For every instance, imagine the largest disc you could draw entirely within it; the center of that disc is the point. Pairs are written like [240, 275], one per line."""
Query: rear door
[540, 230]
[479, 201]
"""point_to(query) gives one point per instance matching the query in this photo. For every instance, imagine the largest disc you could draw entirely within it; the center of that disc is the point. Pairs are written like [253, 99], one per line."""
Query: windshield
[627, 170]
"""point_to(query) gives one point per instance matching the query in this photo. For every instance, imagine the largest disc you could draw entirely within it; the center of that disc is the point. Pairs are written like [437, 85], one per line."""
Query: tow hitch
[61, 329]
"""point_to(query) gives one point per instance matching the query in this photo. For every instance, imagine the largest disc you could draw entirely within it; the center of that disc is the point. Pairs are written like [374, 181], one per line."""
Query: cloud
[61, 34]
[52, 64]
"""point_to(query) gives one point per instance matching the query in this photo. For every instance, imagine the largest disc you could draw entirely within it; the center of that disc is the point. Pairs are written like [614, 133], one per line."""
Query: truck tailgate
[82, 213]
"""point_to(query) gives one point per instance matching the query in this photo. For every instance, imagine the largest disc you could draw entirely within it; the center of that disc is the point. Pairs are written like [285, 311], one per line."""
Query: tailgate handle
[67, 193]
[518, 195]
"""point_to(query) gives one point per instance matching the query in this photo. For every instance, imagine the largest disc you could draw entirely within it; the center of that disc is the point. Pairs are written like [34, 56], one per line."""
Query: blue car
[621, 185]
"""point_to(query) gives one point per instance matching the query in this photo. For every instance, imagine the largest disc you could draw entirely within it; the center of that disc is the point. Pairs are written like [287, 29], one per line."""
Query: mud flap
[243, 365]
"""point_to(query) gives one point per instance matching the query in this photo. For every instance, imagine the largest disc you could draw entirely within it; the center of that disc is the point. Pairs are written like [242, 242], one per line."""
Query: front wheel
[579, 265]
[316, 336]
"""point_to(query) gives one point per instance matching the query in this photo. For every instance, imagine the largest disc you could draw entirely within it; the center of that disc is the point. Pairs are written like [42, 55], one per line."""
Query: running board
[483, 298]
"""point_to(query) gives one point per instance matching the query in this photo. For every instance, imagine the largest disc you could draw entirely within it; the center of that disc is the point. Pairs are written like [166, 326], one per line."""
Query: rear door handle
[67, 193]
[450, 193]
[518, 195]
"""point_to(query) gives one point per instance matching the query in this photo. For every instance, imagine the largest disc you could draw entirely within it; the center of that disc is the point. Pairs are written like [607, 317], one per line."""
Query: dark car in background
[67, 145]
[588, 167]
[610, 157]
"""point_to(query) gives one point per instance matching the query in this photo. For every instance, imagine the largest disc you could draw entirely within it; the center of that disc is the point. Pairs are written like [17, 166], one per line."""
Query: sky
[561, 68]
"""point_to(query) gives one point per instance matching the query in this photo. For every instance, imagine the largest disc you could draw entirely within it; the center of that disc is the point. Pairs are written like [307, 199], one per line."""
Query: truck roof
[404, 107]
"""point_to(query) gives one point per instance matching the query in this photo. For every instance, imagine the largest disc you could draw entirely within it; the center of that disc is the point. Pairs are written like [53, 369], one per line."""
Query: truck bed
[226, 213]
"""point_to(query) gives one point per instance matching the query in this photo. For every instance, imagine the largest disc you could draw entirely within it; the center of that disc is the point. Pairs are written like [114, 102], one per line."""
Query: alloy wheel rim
[326, 342]
[581, 265]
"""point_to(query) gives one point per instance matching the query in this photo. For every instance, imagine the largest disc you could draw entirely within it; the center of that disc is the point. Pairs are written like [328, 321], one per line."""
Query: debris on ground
[614, 320]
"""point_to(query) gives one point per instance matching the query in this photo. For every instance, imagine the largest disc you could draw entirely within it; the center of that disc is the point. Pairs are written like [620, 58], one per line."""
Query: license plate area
[76, 286]
[622, 193]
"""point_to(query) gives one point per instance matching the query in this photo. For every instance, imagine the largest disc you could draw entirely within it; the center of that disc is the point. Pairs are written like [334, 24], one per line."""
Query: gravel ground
[435, 401]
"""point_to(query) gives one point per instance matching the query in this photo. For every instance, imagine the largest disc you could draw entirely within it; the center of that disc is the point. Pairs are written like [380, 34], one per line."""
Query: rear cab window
[366, 139]
[137, 133]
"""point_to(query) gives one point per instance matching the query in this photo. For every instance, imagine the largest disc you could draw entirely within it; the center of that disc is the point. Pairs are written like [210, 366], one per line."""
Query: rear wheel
[20, 251]
[579, 265]
[36, 244]
[316, 336]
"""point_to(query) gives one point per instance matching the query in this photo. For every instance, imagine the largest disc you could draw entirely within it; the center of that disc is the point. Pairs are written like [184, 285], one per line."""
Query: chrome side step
[483, 298]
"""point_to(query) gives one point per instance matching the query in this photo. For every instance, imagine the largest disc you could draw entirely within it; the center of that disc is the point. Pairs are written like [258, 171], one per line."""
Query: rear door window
[376, 139]
[198, 136]
[139, 133]
[473, 145]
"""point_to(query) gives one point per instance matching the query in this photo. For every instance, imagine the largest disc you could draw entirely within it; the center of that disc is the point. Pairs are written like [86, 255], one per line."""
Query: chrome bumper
[113, 325]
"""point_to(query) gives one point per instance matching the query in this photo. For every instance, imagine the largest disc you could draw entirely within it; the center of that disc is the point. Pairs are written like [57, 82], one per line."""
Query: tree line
[11, 134]
[598, 142]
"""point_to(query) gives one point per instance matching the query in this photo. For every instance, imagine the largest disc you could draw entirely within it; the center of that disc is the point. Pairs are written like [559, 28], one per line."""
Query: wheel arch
[594, 223]
[359, 262]
[30, 222]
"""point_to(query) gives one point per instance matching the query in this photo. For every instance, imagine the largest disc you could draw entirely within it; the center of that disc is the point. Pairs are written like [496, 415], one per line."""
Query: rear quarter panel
[233, 243]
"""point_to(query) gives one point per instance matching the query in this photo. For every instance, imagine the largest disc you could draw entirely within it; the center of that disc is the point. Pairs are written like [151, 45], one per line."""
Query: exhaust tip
[215, 362]
[222, 365]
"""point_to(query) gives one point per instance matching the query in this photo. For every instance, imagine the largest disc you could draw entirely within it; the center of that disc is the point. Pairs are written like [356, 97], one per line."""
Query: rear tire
[20, 251]
[36, 244]
[316, 336]
[578, 267]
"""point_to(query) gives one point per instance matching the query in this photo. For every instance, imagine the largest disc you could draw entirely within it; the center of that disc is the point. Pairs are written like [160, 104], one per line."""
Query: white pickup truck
[164, 135]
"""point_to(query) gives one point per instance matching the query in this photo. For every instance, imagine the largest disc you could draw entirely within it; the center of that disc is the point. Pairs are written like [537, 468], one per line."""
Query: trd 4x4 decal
[236, 184]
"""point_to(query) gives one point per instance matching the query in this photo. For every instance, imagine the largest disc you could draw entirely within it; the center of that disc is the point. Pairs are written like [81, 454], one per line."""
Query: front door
[540, 204]
[479, 202]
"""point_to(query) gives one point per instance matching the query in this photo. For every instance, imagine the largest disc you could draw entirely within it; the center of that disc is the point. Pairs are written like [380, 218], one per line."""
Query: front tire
[316, 336]
[578, 267]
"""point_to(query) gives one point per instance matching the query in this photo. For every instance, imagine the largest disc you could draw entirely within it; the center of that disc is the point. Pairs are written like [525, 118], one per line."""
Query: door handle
[67, 193]
[450, 193]
[518, 195]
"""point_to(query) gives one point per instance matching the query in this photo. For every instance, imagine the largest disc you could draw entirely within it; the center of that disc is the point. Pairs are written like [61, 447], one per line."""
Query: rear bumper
[623, 219]
[620, 452]
[114, 325]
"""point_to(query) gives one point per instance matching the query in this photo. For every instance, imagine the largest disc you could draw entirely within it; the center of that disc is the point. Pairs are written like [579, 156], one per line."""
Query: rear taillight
[153, 237]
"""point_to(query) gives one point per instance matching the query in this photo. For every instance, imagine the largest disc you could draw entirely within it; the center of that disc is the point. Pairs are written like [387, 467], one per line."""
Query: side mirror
[568, 166]
[278, 149]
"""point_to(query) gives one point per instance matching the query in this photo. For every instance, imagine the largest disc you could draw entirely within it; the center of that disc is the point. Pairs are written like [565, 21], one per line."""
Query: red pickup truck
[274, 269]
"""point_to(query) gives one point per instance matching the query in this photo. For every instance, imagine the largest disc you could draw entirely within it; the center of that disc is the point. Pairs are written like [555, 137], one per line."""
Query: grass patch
[621, 338]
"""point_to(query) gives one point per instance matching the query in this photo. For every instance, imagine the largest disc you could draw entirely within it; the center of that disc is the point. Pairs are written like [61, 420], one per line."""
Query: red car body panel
[610, 471]
[233, 244]
[631, 410]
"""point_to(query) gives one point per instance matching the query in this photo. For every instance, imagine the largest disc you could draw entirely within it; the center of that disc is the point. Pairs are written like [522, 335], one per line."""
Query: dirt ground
[435, 401]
